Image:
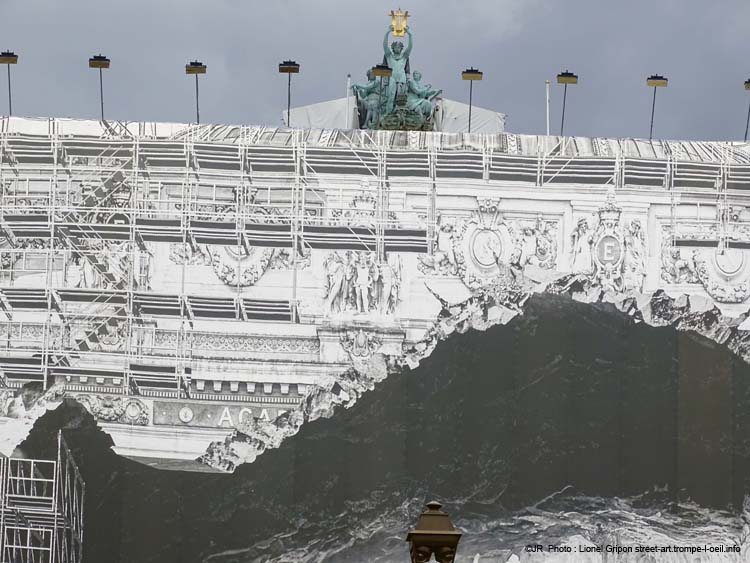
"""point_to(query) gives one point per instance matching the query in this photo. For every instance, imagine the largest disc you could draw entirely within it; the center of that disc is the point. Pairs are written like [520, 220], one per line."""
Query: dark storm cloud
[701, 46]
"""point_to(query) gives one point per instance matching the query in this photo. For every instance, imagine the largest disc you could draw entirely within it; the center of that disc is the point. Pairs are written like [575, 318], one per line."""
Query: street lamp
[471, 74]
[381, 71]
[9, 58]
[565, 78]
[289, 68]
[434, 534]
[100, 61]
[196, 68]
[747, 122]
[655, 81]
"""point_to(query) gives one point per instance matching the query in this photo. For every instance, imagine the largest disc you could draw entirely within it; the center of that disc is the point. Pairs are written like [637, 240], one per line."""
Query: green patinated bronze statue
[399, 102]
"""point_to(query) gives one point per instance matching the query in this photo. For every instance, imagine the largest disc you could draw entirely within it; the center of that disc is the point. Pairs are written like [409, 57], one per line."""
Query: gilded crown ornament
[399, 22]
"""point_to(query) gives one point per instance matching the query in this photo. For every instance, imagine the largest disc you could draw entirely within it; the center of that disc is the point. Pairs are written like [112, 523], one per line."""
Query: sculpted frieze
[678, 265]
[472, 248]
[115, 409]
[239, 342]
[610, 250]
[442, 262]
[358, 283]
[724, 273]
[536, 243]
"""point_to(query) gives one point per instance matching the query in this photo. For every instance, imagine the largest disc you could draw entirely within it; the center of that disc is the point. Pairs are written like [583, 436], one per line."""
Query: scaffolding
[83, 205]
[41, 509]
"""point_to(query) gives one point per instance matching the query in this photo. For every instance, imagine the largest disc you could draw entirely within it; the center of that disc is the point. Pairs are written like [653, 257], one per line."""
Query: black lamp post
[747, 122]
[101, 62]
[381, 71]
[289, 68]
[471, 74]
[655, 81]
[9, 58]
[196, 68]
[433, 534]
[565, 78]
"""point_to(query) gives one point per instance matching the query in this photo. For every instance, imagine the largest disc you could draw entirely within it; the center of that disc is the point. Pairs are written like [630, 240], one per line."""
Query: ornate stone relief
[678, 265]
[613, 252]
[282, 259]
[360, 344]
[443, 259]
[362, 209]
[536, 243]
[361, 212]
[238, 267]
[725, 275]
[211, 341]
[356, 282]
[472, 248]
[484, 240]
[115, 409]
[228, 342]
[114, 339]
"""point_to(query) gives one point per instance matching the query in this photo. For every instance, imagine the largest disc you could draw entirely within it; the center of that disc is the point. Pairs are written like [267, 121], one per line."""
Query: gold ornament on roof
[398, 22]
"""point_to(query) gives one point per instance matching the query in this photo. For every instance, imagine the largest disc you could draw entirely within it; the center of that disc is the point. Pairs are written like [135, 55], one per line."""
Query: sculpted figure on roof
[398, 102]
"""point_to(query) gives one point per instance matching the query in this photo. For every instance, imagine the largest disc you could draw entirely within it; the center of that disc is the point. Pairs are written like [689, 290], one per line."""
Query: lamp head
[8, 58]
[567, 77]
[99, 61]
[656, 81]
[382, 71]
[289, 67]
[195, 67]
[472, 73]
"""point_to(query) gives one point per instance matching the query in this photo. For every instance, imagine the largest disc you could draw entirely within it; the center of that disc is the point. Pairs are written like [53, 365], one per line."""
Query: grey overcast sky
[702, 46]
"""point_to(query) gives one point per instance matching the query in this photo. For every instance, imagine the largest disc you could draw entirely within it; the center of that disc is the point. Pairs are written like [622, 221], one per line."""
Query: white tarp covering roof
[451, 117]
[326, 115]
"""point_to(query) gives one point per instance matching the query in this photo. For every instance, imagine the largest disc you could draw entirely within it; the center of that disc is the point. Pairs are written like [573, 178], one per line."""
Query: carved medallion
[482, 241]
[608, 251]
[185, 414]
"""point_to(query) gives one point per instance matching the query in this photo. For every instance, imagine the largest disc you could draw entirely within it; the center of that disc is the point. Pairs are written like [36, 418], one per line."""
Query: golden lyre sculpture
[398, 22]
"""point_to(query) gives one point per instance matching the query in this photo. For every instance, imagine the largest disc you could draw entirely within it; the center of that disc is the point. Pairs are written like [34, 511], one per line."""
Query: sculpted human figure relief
[358, 284]
[397, 58]
[418, 96]
[634, 264]
[362, 284]
[443, 259]
[335, 276]
[369, 97]
[582, 239]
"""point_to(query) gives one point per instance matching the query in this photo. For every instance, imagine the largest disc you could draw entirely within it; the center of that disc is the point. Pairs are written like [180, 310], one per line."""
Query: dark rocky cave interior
[566, 395]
